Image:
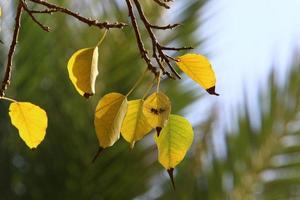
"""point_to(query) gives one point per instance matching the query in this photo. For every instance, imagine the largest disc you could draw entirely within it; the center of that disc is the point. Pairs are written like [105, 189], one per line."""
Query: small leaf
[83, 70]
[135, 125]
[109, 116]
[198, 68]
[157, 108]
[30, 120]
[174, 141]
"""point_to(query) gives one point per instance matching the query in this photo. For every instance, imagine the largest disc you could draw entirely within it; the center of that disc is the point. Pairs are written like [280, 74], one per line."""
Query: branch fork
[162, 59]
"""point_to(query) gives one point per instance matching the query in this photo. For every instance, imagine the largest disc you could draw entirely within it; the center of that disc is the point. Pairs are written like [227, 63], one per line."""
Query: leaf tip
[212, 91]
[88, 95]
[100, 149]
[158, 130]
[170, 172]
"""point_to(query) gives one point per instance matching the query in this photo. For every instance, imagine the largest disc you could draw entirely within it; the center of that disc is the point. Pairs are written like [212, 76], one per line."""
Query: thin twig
[45, 11]
[175, 48]
[7, 75]
[45, 28]
[143, 51]
[162, 4]
[158, 53]
[90, 22]
[169, 26]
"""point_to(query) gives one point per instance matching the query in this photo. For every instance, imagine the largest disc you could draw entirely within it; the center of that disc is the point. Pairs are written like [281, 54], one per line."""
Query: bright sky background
[245, 39]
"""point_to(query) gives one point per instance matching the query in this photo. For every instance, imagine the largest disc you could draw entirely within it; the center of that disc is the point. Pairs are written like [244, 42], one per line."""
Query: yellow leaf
[83, 70]
[135, 125]
[109, 115]
[157, 108]
[198, 68]
[174, 141]
[30, 120]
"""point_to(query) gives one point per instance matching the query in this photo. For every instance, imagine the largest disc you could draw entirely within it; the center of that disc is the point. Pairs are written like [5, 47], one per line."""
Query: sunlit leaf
[83, 70]
[30, 120]
[109, 115]
[157, 108]
[173, 142]
[198, 68]
[135, 125]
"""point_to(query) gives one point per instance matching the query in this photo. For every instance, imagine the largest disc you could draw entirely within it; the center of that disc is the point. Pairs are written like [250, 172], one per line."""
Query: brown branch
[45, 28]
[7, 75]
[162, 4]
[143, 51]
[45, 11]
[175, 48]
[81, 18]
[169, 26]
[158, 53]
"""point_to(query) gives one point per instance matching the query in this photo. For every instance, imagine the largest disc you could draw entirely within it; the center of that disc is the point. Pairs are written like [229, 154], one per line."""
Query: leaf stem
[102, 38]
[158, 82]
[137, 83]
[8, 99]
[149, 88]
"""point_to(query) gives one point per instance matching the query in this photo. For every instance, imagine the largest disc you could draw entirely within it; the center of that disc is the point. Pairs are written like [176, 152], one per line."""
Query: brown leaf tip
[100, 149]
[158, 130]
[88, 95]
[170, 172]
[212, 91]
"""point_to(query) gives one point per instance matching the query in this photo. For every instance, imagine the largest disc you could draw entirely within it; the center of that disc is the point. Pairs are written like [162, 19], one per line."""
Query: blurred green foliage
[61, 167]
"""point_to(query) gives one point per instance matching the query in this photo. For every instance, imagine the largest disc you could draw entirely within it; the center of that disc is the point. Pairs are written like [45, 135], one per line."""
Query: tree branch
[158, 53]
[162, 4]
[143, 51]
[7, 75]
[90, 22]
[169, 26]
[45, 28]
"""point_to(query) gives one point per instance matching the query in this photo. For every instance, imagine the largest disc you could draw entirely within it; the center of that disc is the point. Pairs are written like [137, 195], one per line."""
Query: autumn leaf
[157, 108]
[198, 68]
[173, 142]
[135, 125]
[109, 116]
[83, 70]
[30, 120]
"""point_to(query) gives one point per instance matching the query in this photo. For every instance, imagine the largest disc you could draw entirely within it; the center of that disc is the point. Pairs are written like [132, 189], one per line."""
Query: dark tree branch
[169, 26]
[45, 28]
[7, 75]
[162, 4]
[85, 20]
[158, 54]
[143, 51]
[46, 11]
[176, 48]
